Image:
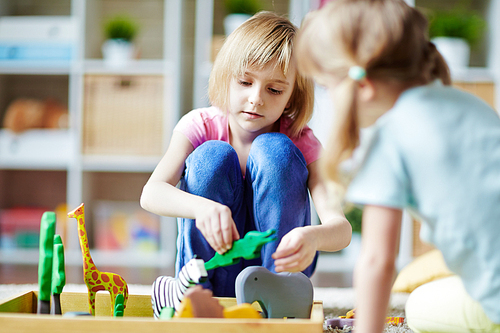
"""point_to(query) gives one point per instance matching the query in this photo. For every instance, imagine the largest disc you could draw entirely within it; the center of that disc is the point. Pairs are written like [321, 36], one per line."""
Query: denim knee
[211, 157]
[276, 153]
[208, 166]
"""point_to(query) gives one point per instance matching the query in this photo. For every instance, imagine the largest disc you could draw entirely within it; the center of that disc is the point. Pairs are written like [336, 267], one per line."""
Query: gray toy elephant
[279, 295]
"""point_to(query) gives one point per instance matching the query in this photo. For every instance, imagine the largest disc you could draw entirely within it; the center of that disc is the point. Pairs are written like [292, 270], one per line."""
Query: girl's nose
[255, 97]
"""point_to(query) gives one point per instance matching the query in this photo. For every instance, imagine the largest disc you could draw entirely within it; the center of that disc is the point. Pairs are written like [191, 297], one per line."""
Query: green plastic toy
[167, 313]
[58, 275]
[248, 248]
[46, 252]
[118, 311]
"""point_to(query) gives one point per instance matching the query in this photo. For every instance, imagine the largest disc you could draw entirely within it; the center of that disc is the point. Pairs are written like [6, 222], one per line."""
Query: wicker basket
[123, 115]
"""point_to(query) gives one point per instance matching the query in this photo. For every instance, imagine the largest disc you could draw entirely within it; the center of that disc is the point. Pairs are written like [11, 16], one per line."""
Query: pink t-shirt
[211, 123]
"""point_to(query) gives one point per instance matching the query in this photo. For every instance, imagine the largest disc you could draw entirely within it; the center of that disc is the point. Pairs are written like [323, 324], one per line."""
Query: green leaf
[249, 7]
[458, 23]
[354, 215]
[121, 27]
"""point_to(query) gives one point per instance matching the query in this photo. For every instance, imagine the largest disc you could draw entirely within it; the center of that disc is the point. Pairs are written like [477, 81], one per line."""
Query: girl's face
[258, 98]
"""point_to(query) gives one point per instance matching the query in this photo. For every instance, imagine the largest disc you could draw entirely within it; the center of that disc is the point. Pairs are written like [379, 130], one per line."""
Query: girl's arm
[375, 268]
[161, 196]
[297, 249]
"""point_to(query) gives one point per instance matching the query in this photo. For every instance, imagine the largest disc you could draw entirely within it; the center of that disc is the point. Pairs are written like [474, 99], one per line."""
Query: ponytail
[438, 67]
[345, 135]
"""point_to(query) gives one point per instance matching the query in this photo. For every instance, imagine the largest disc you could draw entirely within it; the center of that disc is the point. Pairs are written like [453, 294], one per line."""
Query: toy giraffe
[94, 279]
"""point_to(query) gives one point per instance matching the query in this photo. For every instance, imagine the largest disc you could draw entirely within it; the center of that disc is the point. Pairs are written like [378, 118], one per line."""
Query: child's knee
[277, 150]
[212, 157]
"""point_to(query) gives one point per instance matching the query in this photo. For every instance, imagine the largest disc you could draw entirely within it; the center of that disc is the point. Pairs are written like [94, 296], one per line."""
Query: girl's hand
[217, 226]
[296, 250]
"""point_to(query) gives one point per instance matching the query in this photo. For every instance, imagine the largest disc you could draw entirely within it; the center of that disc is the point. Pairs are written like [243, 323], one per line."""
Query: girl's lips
[252, 115]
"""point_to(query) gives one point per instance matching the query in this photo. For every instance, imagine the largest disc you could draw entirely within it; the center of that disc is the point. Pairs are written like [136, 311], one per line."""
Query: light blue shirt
[437, 153]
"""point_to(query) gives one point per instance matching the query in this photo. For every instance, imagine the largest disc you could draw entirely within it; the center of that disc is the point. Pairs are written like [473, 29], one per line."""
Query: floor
[24, 274]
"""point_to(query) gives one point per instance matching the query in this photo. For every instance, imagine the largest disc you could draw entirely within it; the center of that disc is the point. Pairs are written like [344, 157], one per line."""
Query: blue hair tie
[357, 73]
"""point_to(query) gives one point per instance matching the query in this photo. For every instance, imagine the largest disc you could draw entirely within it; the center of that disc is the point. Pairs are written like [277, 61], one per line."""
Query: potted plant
[454, 32]
[354, 215]
[118, 49]
[238, 11]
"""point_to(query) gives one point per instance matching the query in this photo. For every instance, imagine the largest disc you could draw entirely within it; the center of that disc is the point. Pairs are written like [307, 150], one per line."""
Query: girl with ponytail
[433, 150]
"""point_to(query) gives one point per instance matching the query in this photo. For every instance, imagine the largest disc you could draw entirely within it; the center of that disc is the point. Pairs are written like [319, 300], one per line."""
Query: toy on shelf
[46, 252]
[199, 303]
[279, 295]
[25, 113]
[58, 275]
[248, 248]
[348, 320]
[168, 292]
[94, 279]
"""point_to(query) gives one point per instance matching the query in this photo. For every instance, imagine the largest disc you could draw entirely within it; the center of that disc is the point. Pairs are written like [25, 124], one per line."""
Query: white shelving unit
[61, 151]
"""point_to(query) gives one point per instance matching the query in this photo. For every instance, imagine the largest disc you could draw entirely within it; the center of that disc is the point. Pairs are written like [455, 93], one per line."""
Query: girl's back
[438, 152]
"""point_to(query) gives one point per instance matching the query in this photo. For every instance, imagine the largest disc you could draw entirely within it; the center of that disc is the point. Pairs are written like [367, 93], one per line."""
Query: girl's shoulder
[200, 125]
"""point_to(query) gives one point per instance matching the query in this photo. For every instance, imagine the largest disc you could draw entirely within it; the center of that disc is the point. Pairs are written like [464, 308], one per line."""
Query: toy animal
[248, 247]
[279, 295]
[94, 279]
[26, 113]
[199, 303]
[168, 291]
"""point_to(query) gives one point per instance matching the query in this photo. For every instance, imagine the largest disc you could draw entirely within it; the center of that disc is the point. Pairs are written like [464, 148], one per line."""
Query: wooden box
[123, 115]
[17, 314]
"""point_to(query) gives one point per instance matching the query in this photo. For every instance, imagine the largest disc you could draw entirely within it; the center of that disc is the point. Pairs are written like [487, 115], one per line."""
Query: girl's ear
[366, 91]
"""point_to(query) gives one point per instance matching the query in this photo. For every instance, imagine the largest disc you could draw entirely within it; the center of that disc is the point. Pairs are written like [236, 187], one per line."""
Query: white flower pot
[456, 52]
[117, 52]
[233, 21]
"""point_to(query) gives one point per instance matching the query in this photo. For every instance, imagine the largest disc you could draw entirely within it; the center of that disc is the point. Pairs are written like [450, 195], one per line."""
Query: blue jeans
[273, 195]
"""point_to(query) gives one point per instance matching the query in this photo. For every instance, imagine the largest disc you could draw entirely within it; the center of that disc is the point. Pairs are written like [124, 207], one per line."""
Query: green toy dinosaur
[248, 247]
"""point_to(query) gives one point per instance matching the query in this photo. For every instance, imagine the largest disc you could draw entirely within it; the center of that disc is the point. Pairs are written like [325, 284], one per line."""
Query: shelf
[101, 258]
[473, 75]
[46, 67]
[36, 149]
[90, 66]
[135, 67]
[48, 167]
[120, 163]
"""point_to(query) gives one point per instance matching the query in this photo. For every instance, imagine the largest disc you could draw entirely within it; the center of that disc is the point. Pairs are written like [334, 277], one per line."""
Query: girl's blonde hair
[264, 38]
[387, 38]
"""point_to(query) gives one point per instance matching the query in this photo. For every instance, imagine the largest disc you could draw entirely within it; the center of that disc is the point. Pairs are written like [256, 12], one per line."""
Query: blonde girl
[248, 161]
[434, 150]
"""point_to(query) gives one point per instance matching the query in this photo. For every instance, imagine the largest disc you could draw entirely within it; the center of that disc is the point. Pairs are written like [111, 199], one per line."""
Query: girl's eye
[275, 91]
[244, 83]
